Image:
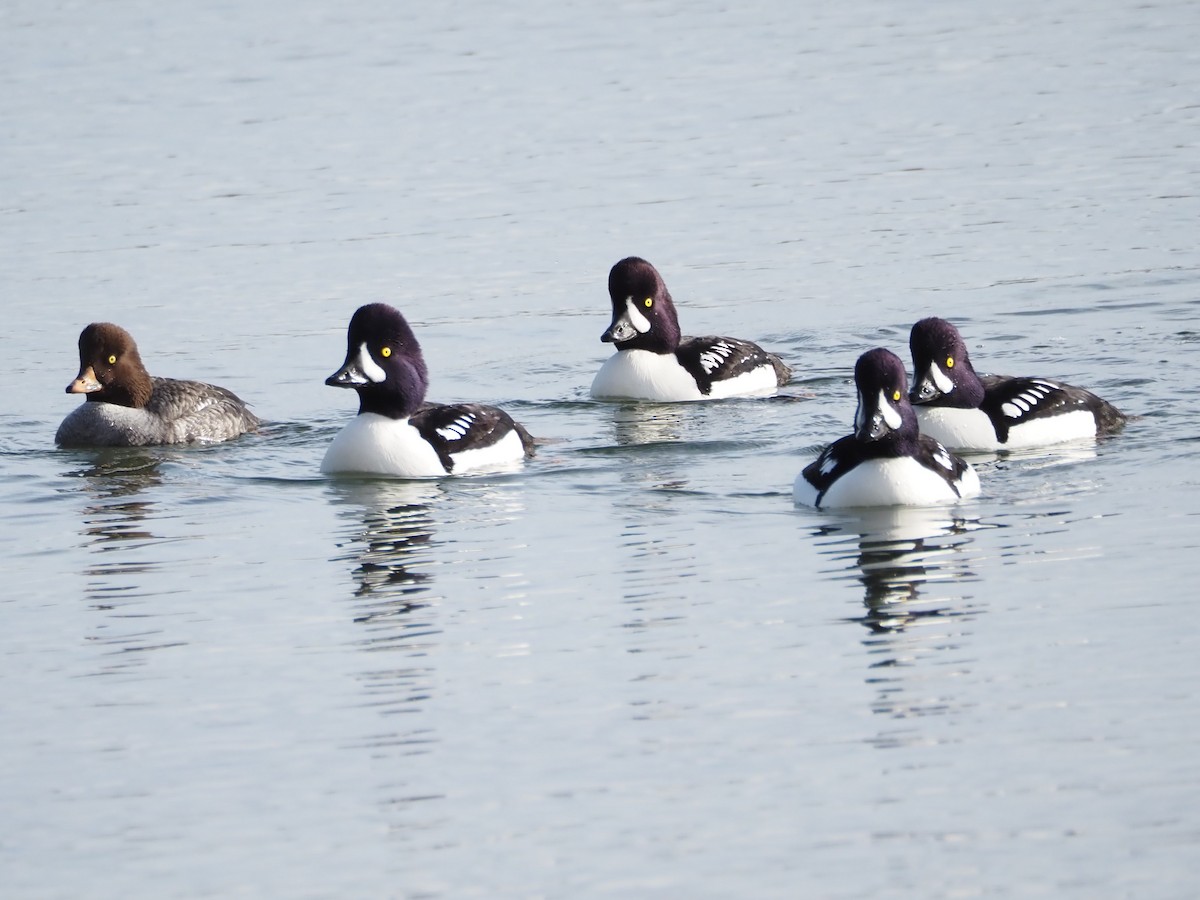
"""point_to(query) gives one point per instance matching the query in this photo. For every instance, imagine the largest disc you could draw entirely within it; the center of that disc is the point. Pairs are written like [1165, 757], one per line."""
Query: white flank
[803, 493]
[506, 454]
[971, 429]
[760, 382]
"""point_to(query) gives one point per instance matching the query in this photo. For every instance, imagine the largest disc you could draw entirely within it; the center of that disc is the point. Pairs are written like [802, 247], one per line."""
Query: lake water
[633, 669]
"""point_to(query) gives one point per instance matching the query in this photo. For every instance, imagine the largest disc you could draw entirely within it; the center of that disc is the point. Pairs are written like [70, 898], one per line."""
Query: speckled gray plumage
[178, 412]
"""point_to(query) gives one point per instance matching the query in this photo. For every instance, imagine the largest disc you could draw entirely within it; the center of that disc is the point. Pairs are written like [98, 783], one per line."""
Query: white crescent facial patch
[639, 322]
[369, 367]
[891, 415]
[939, 379]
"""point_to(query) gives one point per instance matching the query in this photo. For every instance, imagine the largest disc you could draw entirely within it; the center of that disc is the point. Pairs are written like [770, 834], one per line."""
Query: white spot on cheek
[639, 322]
[369, 367]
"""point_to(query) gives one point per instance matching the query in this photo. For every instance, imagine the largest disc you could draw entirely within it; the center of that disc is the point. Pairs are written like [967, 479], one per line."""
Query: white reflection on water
[915, 566]
[649, 423]
[388, 543]
[117, 527]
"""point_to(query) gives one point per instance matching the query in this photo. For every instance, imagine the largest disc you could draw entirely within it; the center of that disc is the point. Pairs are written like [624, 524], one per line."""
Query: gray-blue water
[634, 669]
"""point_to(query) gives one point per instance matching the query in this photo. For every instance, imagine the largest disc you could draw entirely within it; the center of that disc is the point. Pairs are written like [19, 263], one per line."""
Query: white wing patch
[941, 456]
[1028, 399]
[828, 464]
[457, 429]
[715, 356]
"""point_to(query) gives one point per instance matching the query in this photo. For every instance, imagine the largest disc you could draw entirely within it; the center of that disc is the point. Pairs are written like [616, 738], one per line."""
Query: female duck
[127, 407]
[395, 432]
[967, 411]
[653, 362]
[886, 461]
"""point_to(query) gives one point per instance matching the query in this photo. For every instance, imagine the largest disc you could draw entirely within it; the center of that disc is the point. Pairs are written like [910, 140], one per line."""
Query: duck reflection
[388, 545]
[648, 423]
[655, 432]
[112, 480]
[914, 566]
[115, 525]
[903, 553]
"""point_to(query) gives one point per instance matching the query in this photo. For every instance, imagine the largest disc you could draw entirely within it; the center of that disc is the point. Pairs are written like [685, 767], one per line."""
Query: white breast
[642, 375]
[372, 444]
[888, 482]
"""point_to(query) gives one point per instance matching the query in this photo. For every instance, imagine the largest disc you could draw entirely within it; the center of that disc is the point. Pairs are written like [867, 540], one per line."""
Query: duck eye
[112, 359]
[949, 362]
[649, 302]
[385, 352]
[896, 395]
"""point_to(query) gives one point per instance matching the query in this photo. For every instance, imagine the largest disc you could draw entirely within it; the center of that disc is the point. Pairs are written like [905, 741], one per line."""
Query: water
[633, 669]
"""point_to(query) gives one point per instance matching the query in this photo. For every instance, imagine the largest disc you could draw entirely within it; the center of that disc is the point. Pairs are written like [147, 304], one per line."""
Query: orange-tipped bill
[86, 383]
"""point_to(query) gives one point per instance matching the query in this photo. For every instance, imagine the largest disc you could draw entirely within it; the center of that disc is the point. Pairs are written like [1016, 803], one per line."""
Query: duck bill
[85, 383]
[620, 330]
[923, 391]
[873, 428]
[930, 386]
[350, 375]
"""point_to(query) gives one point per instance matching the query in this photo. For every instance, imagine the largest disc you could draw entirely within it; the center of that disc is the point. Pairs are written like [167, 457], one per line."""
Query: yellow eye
[949, 362]
[895, 395]
[649, 301]
[385, 352]
[112, 360]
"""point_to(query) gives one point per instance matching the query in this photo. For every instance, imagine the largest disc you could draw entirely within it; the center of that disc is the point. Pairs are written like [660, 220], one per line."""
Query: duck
[886, 461]
[396, 433]
[653, 362]
[967, 411]
[126, 406]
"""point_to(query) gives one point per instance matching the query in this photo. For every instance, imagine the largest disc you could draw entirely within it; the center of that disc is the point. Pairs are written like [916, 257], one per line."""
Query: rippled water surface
[633, 669]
